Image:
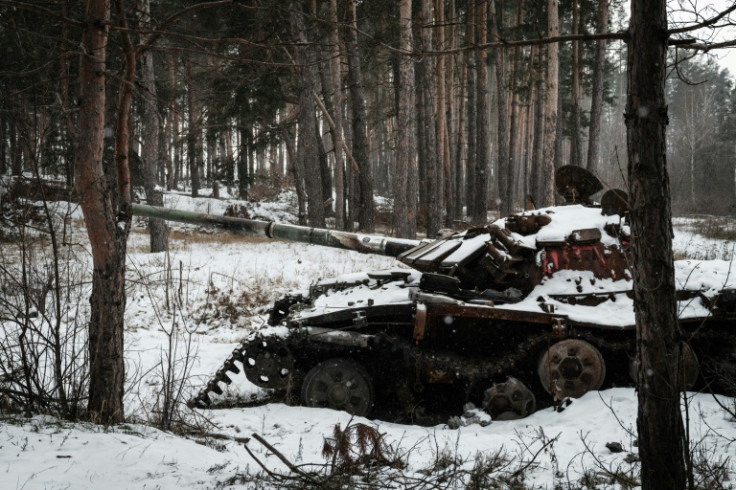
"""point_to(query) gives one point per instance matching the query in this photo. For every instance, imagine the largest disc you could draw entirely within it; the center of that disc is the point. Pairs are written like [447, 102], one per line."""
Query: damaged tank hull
[525, 312]
[427, 354]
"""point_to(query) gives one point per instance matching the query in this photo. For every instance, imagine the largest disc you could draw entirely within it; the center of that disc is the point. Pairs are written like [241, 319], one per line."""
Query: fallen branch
[283, 459]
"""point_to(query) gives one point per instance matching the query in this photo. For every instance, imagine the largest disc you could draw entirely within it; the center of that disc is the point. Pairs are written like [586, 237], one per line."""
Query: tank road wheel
[571, 368]
[268, 363]
[340, 384]
[510, 400]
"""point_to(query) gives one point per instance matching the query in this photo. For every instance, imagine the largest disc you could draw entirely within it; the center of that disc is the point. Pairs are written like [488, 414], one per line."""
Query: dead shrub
[357, 446]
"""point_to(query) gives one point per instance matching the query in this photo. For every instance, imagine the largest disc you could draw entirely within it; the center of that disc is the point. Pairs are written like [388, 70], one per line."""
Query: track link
[202, 399]
[266, 359]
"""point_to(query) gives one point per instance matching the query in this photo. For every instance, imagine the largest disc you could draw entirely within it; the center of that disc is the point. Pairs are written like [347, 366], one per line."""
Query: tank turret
[516, 252]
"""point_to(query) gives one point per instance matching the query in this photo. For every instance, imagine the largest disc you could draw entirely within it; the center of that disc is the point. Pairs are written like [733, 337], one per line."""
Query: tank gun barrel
[369, 244]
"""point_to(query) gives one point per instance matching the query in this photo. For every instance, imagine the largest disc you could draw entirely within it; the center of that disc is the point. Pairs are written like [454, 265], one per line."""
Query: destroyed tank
[528, 311]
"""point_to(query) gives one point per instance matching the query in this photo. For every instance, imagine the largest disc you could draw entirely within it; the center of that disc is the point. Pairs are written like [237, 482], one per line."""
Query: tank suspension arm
[369, 244]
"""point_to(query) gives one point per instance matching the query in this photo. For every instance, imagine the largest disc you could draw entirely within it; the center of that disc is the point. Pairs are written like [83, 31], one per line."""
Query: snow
[44, 453]
[50, 454]
[216, 289]
[565, 221]
[393, 292]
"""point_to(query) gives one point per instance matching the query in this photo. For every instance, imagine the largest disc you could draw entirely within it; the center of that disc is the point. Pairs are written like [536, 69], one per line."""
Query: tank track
[202, 399]
[266, 360]
[268, 363]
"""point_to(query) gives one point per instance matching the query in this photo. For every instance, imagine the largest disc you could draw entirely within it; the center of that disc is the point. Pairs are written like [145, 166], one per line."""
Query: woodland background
[321, 96]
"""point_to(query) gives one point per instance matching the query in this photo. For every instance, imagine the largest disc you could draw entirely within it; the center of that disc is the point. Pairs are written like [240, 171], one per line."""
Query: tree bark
[307, 151]
[365, 207]
[3, 152]
[516, 120]
[172, 126]
[659, 421]
[536, 184]
[297, 171]
[427, 95]
[194, 135]
[576, 143]
[325, 175]
[444, 94]
[242, 163]
[338, 101]
[16, 161]
[596, 104]
[472, 116]
[547, 197]
[405, 177]
[483, 141]
[150, 135]
[505, 170]
[460, 138]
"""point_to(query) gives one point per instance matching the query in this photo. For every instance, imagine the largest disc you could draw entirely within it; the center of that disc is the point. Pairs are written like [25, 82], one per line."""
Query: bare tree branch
[705, 23]
[40, 10]
[705, 47]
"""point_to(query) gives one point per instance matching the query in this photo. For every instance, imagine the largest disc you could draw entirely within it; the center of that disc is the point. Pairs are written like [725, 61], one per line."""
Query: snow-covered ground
[209, 292]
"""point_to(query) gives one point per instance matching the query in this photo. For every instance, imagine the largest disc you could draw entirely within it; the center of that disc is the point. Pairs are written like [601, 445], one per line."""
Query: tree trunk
[325, 174]
[365, 213]
[229, 158]
[150, 135]
[483, 141]
[16, 160]
[505, 170]
[547, 197]
[596, 104]
[211, 159]
[404, 191]
[3, 153]
[242, 164]
[172, 126]
[659, 421]
[422, 150]
[457, 214]
[536, 184]
[194, 135]
[472, 117]
[307, 151]
[576, 149]
[520, 80]
[338, 101]
[428, 85]
[444, 89]
[527, 145]
[105, 202]
[295, 167]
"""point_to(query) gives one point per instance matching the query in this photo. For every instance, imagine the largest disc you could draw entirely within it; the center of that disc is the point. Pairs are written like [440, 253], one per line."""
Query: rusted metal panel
[605, 262]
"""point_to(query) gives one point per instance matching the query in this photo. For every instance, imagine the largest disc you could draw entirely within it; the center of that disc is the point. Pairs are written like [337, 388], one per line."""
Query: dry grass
[179, 237]
[714, 227]
[205, 236]
[718, 228]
